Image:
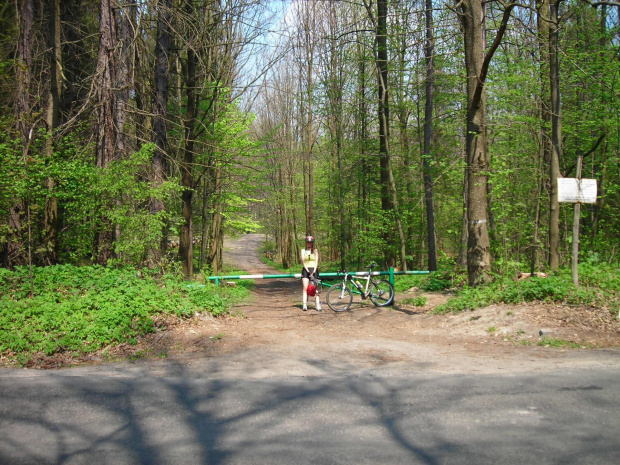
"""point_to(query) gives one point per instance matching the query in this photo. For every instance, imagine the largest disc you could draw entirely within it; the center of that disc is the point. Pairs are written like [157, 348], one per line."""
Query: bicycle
[340, 296]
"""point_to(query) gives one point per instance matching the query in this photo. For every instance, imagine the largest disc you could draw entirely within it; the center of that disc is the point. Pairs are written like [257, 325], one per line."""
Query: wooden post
[576, 218]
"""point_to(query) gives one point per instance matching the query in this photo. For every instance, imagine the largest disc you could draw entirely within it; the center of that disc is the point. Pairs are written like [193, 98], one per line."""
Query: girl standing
[310, 270]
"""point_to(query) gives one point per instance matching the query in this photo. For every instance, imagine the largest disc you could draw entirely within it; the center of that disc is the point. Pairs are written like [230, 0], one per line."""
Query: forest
[420, 134]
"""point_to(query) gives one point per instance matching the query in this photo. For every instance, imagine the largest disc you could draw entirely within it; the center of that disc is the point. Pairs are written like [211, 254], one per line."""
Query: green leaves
[553, 289]
[600, 286]
[82, 309]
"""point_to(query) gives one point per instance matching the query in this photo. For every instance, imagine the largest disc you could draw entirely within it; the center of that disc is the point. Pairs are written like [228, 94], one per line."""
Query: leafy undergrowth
[82, 309]
[599, 288]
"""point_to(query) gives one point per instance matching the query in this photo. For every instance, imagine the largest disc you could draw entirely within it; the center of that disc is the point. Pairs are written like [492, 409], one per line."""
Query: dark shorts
[305, 274]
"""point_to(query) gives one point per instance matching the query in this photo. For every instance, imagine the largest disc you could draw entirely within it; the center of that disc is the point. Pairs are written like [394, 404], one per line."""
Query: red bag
[311, 290]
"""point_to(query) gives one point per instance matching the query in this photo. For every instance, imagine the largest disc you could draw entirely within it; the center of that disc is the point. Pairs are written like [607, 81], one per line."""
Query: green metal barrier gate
[391, 273]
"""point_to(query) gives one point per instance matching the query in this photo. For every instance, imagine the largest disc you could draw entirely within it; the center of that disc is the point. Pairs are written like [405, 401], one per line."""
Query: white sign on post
[573, 190]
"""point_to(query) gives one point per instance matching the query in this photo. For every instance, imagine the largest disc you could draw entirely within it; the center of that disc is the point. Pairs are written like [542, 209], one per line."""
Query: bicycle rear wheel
[339, 298]
[381, 292]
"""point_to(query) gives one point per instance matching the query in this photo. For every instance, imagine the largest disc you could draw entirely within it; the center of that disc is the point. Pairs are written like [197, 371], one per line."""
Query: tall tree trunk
[576, 222]
[465, 217]
[127, 11]
[106, 96]
[12, 253]
[389, 198]
[384, 109]
[52, 121]
[428, 136]
[204, 232]
[106, 126]
[282, 237]
[602, 176]
[186, 233]
[216, 241]
[403, 113]
[334, 78]
[361, 127]
[384, 114]
[478, 246]
[160, 106]
[535, 247]
[23, 104]
[309, 37]
[556, 136]
[477, 64]
[124, 85]
[542, 7]
[309, 153]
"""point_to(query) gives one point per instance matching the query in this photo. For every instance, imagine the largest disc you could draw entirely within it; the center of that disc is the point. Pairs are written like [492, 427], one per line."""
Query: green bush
[552, 288]
[599, 286]
[82, 309]
[433, 282]
[419, 301]
[438, 281]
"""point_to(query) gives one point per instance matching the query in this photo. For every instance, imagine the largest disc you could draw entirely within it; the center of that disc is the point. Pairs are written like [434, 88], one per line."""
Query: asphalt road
[130, 415]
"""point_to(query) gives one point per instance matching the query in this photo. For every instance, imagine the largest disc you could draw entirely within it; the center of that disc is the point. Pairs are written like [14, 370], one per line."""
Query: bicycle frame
[357, 287]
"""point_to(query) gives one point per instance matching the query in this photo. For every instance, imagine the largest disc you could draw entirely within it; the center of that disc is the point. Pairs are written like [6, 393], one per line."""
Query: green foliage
[406, 282]
[121, 192]
[435, 281]
[438, 281]
[231, 150]
[470, 298]
[419, 301]
[560, 343]
[553, 288]
[599, 287]
[83, 309]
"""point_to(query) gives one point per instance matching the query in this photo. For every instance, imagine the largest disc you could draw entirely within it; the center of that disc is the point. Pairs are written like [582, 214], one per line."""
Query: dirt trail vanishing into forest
[270, 335]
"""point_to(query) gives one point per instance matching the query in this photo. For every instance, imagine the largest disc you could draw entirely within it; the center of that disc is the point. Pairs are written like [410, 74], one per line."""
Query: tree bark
[383, 107]
[308, 45]
[186, 233]
[465, 217]
[477, 63]
[23, 104]
[556, 136]
[124, 82]
[160, 110]
[478, 247]
[12, 253]
[389, 199]
[106, 127]
[542, 8]
[361, 128]
[576, 222]
[106, 74]
[428, 135]
[216, 241]
[52, 120]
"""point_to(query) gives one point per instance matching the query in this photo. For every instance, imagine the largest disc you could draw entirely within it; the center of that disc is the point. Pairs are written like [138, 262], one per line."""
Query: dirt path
[270, 335]
[275, 337]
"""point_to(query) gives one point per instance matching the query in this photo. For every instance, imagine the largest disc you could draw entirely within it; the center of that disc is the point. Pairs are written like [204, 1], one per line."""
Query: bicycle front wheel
[381, 292]
[339, 298]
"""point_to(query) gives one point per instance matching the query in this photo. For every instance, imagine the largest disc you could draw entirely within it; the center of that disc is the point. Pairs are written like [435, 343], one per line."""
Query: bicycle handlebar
[370, 266]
